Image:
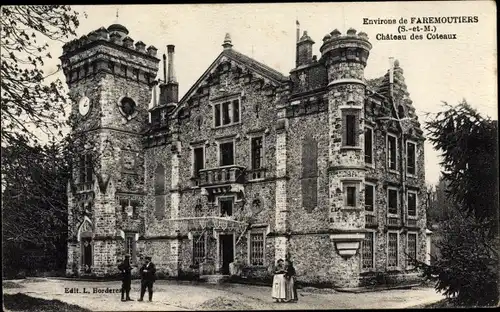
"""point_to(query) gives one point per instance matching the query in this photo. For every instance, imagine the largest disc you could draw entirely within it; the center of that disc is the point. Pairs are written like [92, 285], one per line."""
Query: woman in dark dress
[291, 291]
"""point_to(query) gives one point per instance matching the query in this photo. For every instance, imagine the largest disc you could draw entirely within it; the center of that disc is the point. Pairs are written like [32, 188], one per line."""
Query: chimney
[171, 71]
[172, 87]
[304, 50]
[164, 68]
[391, 76]
[297, 44]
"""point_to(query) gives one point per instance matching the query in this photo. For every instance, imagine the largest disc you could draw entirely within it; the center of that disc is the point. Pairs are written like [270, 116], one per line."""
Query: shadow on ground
[22, 302]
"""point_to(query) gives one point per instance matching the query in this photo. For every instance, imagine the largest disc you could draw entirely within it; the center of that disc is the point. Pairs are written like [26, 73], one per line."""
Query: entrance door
[226, 251]
[87, 254]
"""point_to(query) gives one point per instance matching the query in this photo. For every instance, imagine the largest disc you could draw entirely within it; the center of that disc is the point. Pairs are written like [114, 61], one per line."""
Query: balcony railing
[411, 223]
[221, 175]
[393, 221]
[371, 221]
[84, 187]
[256, 174]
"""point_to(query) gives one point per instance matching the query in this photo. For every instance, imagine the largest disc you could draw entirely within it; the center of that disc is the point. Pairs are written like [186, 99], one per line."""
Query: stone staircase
[214, 279]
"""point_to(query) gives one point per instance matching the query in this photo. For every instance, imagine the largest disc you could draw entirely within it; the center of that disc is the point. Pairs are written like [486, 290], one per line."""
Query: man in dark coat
[125, 268]
[148, 277]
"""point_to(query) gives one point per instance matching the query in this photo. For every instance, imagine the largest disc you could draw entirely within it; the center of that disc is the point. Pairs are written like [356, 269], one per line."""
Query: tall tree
[469, 146]
[467, 265]
[28, 100]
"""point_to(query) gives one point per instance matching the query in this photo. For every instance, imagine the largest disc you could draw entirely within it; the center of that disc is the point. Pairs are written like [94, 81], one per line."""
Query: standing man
[148, 276]
[125, 270]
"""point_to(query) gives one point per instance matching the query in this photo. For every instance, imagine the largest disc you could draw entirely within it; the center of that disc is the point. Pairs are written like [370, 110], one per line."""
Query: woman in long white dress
[279, 285]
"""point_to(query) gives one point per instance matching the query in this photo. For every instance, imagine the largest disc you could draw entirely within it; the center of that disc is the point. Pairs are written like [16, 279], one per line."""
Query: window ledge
[226, 126]
[348, 209]
[395, 171]
[411, 175]
[351, 148]
[371, 166]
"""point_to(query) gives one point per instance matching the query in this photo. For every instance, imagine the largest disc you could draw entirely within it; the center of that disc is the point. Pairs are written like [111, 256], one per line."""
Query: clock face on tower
[84, 105]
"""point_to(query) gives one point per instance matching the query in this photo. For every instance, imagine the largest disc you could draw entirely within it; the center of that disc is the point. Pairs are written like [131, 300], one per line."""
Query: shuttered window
[309, 182]
[159, 183]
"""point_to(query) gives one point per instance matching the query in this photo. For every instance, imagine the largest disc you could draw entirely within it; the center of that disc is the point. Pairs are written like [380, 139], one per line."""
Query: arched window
[160, 192]
[309, 180]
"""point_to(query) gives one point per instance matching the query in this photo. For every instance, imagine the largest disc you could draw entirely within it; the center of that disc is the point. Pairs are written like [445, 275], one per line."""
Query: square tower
[110, 81]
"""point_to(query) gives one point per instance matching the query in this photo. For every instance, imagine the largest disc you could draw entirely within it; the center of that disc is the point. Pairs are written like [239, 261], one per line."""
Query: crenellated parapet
[110, 51]
[345, 56]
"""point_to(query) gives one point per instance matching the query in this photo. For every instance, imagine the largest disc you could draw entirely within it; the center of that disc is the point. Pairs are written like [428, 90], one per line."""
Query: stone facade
[250, 164]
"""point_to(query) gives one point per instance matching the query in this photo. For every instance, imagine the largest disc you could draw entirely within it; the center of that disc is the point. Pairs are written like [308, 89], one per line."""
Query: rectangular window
[410, 158]
[392, 152]
[198, 249]
[227, 113]
[368, 250]
[85, 168]
[226, 116]
[350, 130]
[226, 153]
[368, 146]
[351, 196]
[392, 250]
[257, 154]
[217, 115]
[130, 246]
[412, 204]
[257, 248]
[369, 197]
[350, 125]
[226, 207]
[199, 159]
[412, 248]
[392, 201]
[236, 111]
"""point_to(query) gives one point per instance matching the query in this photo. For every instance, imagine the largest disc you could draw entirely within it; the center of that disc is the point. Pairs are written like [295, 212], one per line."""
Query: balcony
[218, 176]
[256, 174]
[371, 221]
[393, 221]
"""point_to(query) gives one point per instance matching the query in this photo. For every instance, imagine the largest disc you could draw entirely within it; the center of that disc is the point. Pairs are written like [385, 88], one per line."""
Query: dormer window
[227, 113]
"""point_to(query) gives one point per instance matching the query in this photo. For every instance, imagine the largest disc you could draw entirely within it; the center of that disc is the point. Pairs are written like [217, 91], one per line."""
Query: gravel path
[179, 296]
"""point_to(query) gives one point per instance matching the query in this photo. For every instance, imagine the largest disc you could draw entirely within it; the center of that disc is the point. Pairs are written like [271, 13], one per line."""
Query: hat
[127, 256]
[148, 258]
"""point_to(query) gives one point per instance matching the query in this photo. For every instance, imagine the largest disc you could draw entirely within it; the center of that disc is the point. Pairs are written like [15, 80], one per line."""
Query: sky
[434, 70]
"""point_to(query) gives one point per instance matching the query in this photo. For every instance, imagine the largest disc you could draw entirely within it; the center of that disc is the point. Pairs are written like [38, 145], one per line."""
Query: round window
[128, 106]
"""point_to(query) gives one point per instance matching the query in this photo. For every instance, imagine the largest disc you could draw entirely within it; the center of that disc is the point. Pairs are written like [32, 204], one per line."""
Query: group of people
[284, 289]
[148, 277]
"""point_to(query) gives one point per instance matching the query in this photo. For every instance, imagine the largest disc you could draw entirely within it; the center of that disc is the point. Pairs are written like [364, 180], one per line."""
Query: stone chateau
[322, 166]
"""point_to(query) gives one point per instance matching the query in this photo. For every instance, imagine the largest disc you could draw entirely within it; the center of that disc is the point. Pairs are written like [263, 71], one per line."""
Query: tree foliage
[34, 206]
[467, 265]
[468, 143]
[28, 100]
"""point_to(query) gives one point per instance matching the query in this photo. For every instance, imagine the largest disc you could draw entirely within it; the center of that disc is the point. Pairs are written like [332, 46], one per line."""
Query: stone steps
[214, 279]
